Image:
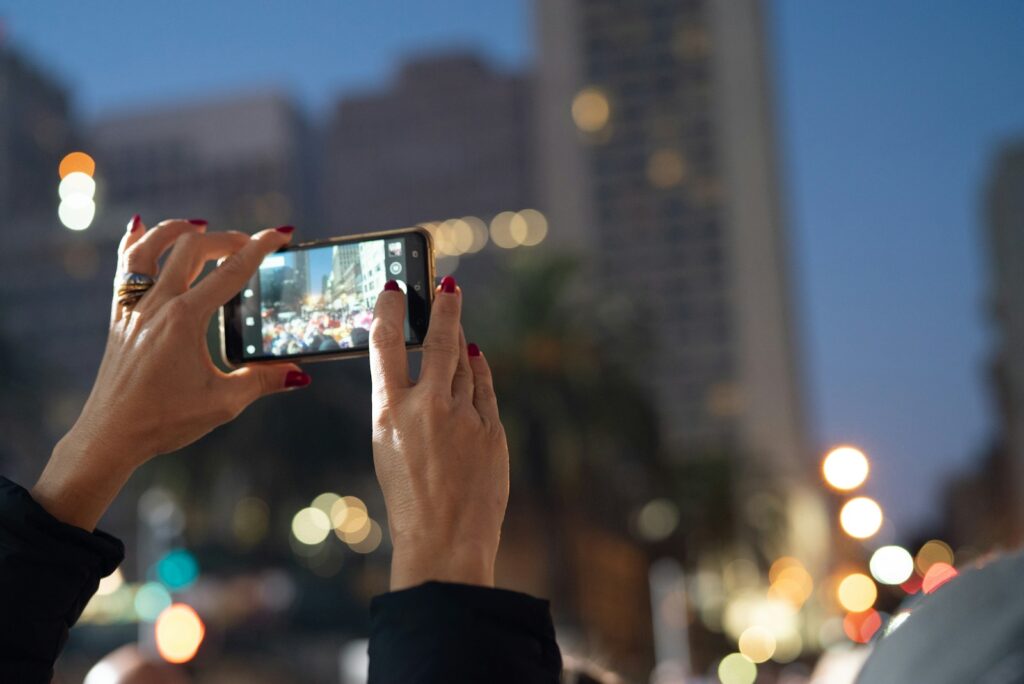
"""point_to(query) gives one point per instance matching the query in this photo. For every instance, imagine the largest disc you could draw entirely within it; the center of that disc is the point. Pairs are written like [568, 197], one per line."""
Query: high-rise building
[35, 129]
[1005, 221]
[448, 138]
[242, 163]
[656, 155]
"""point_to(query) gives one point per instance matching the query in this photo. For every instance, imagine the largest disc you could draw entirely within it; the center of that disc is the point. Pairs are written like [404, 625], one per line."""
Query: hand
[158, 389]
[438, 446]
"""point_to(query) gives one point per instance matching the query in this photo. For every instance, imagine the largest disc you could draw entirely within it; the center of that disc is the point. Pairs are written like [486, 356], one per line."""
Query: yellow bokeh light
[479, 231]
[665, 168]
[591, 110]
[857, 592]
[861, 517]
[528, 227]
[781, 564]
[325, 502]
[110, 583]
[311, 526]
[891, 565]
[78, 162]
[736, 668]
[932, 552]
[372, 540]
[348, 514]
[501, 230]
[179, 633]
[845, 468]
[757, 644]
[793, 584]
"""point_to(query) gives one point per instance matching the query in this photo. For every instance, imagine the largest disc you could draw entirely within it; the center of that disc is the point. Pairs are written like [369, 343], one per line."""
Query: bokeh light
[371, 541]
[938, 574]
[891, 565]
[861, 626]
[179, 633]
[77, 162]
[757, 643]
[591, 110]
[792, 584]
[665, 168]
[856, 593]
[311, 526]
[845, 468]
[528, 227]
[110, 583]
[501, 230]
[178, 569]
[76, 212]
[150, 599]
[325, 502]
[736, 668]
[657, 520]
[932, 552]
[479, 232]
[76, 183]
[860, 517]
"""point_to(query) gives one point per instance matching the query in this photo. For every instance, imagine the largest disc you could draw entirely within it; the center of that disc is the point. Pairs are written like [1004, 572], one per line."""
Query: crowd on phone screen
[315, 331]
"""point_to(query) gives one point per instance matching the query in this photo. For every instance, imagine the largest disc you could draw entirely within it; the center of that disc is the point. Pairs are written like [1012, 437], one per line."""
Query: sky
[889, 115]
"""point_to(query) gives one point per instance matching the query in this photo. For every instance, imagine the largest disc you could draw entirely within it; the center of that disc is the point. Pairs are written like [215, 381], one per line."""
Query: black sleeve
[440, 632]
[48, 572]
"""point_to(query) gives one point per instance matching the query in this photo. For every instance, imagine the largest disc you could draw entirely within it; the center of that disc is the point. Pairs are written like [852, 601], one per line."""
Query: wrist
[413, 563]
[82, 478]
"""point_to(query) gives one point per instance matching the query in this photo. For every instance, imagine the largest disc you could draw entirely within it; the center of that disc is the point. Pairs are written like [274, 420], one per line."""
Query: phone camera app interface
[319, 300]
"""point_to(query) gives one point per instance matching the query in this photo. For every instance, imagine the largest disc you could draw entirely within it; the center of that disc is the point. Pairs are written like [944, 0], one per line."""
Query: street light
[845, 468]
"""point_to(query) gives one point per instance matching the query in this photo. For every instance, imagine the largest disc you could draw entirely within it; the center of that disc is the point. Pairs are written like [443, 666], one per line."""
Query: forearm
[81, 479]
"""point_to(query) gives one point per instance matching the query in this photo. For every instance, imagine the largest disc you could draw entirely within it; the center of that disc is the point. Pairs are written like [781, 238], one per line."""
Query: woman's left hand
[158, 389]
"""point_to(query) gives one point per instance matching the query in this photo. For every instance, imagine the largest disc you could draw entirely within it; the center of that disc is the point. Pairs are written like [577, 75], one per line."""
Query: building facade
[656, 155]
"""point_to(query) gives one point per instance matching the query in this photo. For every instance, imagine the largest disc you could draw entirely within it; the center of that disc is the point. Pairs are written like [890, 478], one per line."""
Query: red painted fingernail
[198, 222]
[448, 284]
[391, 286]
[287, 230]
[135, 223]
[473, 349]
[297, 379]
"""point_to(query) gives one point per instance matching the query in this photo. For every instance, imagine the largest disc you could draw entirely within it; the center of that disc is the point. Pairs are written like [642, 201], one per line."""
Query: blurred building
[243, 163]
[1005, 223]
[448, 138]
[35, 129]
[656, 154]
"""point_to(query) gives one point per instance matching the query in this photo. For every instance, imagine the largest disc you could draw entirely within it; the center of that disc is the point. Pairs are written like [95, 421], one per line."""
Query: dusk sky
[890, 114]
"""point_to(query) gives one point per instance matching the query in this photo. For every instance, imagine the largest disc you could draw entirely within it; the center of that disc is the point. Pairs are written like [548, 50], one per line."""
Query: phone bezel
[418, 303]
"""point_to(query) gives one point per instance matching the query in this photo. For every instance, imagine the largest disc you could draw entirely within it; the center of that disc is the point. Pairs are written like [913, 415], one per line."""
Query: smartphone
[314, 301]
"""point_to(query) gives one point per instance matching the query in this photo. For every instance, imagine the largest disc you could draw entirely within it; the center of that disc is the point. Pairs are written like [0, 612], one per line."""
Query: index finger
[389, 363]
[230, 277]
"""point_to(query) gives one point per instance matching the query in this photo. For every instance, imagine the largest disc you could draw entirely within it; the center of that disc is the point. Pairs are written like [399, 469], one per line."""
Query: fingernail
[287, 230]
[198, 222]
[448, 284]
[135, 223]
[391, 286]
[297, 379]
[473, 349]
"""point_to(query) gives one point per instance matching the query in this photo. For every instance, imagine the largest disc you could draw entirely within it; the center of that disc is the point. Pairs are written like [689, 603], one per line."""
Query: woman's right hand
[439, 448]
[157, 389]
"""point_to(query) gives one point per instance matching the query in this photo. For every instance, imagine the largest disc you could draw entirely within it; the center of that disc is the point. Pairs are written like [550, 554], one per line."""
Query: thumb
[259, 380]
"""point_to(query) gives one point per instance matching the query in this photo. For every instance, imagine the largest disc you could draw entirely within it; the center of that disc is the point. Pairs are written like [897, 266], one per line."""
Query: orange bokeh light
[860, 627]
[179, 633]
[937, 575]
[77, 161]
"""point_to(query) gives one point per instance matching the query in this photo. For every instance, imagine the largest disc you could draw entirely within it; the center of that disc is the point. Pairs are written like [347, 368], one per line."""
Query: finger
[190, 254]
[133, 231]
[484, 399]
[144, 254]
[441, 346]
[249, 383]
[230, 277]
[389, 362]
[462, 384]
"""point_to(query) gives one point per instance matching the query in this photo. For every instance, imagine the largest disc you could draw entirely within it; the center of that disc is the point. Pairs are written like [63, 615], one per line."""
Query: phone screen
[319, 299]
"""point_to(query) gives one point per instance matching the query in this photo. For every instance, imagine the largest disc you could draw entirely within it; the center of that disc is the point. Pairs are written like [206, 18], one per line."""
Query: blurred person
[438, 446]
